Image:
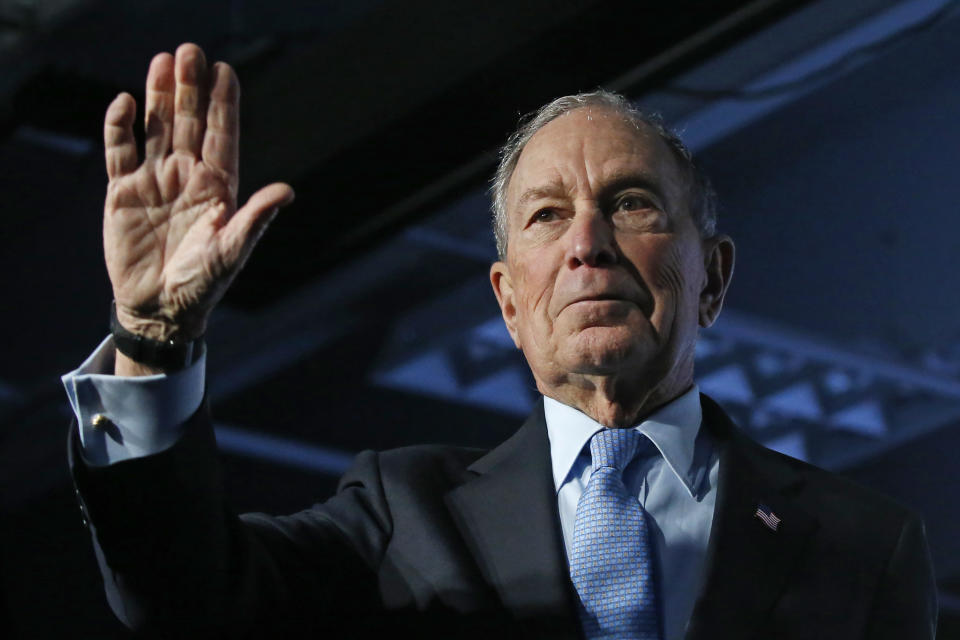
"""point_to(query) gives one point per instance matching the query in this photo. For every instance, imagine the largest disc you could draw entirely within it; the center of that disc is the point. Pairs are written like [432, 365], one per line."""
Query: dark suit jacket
[441, 541]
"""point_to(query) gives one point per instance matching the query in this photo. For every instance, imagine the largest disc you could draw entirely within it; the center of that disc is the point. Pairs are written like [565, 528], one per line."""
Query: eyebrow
[551, 190]
[614, 183]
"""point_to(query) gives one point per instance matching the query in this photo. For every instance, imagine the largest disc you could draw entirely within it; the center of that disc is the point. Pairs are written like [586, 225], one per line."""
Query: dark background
[364, 318]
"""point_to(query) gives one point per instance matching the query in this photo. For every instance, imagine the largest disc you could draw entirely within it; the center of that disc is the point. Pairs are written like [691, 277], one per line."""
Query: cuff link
[99, 421]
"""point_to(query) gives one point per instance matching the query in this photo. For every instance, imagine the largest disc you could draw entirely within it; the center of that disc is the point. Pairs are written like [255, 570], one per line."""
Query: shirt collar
[672, 428]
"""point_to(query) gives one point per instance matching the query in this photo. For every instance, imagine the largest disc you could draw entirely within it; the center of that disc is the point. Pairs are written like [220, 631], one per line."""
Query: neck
[621, 400]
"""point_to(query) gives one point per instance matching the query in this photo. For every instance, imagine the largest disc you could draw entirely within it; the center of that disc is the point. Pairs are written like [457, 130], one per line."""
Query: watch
[168, 355]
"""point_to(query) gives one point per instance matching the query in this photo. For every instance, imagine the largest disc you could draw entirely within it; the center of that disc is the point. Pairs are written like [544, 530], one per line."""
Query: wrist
[141, 354]
[159, 327]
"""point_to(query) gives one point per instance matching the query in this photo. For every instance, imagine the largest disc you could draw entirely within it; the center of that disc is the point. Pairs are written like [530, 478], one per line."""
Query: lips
[605, 296]
[600, 298]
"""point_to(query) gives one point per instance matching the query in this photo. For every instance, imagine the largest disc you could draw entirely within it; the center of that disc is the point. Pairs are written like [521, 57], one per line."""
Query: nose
[591, 241]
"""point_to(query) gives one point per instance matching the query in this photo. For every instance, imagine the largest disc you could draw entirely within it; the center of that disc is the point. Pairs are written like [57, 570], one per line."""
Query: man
[627, 506]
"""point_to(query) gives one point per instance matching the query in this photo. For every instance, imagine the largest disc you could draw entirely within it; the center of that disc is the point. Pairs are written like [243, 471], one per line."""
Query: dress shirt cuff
[144, 415]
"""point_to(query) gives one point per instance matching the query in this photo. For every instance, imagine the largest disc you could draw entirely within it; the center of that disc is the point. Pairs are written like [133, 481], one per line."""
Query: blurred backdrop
[365, 317]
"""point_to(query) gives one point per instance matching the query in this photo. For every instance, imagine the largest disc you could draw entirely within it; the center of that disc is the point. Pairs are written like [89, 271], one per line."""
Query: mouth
[601, 298]
[603, 294]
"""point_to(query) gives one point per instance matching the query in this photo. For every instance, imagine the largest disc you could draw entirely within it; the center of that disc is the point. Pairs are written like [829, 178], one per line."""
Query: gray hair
[702, 197]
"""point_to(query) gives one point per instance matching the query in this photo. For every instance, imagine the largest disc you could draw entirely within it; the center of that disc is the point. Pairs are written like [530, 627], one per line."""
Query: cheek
[676, 272]
[534, 285]
[668, 277]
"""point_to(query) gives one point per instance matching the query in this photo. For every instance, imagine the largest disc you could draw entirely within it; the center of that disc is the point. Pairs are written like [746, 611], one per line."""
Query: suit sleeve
[177, 563]
[905, 603]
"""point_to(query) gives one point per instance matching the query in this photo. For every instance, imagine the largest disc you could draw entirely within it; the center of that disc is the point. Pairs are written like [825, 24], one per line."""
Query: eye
[634, 202]
[544, 215]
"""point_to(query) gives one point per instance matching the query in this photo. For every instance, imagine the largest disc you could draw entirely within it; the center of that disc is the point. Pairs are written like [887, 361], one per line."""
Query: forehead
[581, 150]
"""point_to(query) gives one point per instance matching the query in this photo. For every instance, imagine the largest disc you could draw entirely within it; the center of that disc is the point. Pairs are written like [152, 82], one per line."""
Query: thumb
[245, 227]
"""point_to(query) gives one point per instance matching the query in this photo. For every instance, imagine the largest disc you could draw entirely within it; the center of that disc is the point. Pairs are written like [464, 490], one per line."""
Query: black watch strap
[168, 355]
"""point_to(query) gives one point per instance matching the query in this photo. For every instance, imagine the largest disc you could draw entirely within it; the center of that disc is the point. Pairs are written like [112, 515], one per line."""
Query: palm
[173, 238]
[167, 214]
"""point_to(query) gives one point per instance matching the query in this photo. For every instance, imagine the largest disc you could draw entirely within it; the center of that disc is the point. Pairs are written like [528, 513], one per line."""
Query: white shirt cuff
[144, 415]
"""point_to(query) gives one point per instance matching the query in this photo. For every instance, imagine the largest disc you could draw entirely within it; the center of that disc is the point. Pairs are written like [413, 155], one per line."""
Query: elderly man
[627, 505]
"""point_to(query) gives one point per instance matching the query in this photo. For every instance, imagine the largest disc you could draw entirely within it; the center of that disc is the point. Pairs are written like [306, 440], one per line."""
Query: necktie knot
[614, 448]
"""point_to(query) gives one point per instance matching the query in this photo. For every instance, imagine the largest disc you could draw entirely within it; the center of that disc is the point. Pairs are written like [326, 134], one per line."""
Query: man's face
[605, 270]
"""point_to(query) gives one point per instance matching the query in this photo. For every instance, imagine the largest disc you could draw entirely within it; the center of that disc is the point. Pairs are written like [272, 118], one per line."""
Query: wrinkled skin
[173, 236]
[606, 278]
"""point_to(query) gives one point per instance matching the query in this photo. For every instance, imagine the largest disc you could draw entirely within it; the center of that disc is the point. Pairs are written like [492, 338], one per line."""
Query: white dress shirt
[675, 483]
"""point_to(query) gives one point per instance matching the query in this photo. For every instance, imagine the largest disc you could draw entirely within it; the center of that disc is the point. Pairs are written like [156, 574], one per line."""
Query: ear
[718, 257]
[503, 289]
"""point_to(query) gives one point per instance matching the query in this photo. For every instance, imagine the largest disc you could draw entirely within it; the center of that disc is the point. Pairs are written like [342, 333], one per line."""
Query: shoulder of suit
[437, 453]
[824, 491]
[426, 461]
[833, 491]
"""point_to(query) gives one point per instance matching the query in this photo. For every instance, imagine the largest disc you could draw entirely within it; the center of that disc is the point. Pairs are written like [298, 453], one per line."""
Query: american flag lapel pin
[768, 517]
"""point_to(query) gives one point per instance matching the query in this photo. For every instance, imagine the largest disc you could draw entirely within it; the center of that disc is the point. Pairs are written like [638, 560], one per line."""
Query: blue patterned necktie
[611, 563]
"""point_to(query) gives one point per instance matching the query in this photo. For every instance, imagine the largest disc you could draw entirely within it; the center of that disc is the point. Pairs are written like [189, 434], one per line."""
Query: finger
[221, 141]
[189, 111]
[119, 144]
[158, 114]
[247, 225]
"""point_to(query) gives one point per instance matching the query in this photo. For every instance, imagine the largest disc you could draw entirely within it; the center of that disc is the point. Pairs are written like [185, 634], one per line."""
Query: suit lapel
[748, 564]
[507, 513]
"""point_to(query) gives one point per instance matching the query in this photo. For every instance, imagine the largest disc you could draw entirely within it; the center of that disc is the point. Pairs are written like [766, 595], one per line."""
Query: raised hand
[173, 237]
